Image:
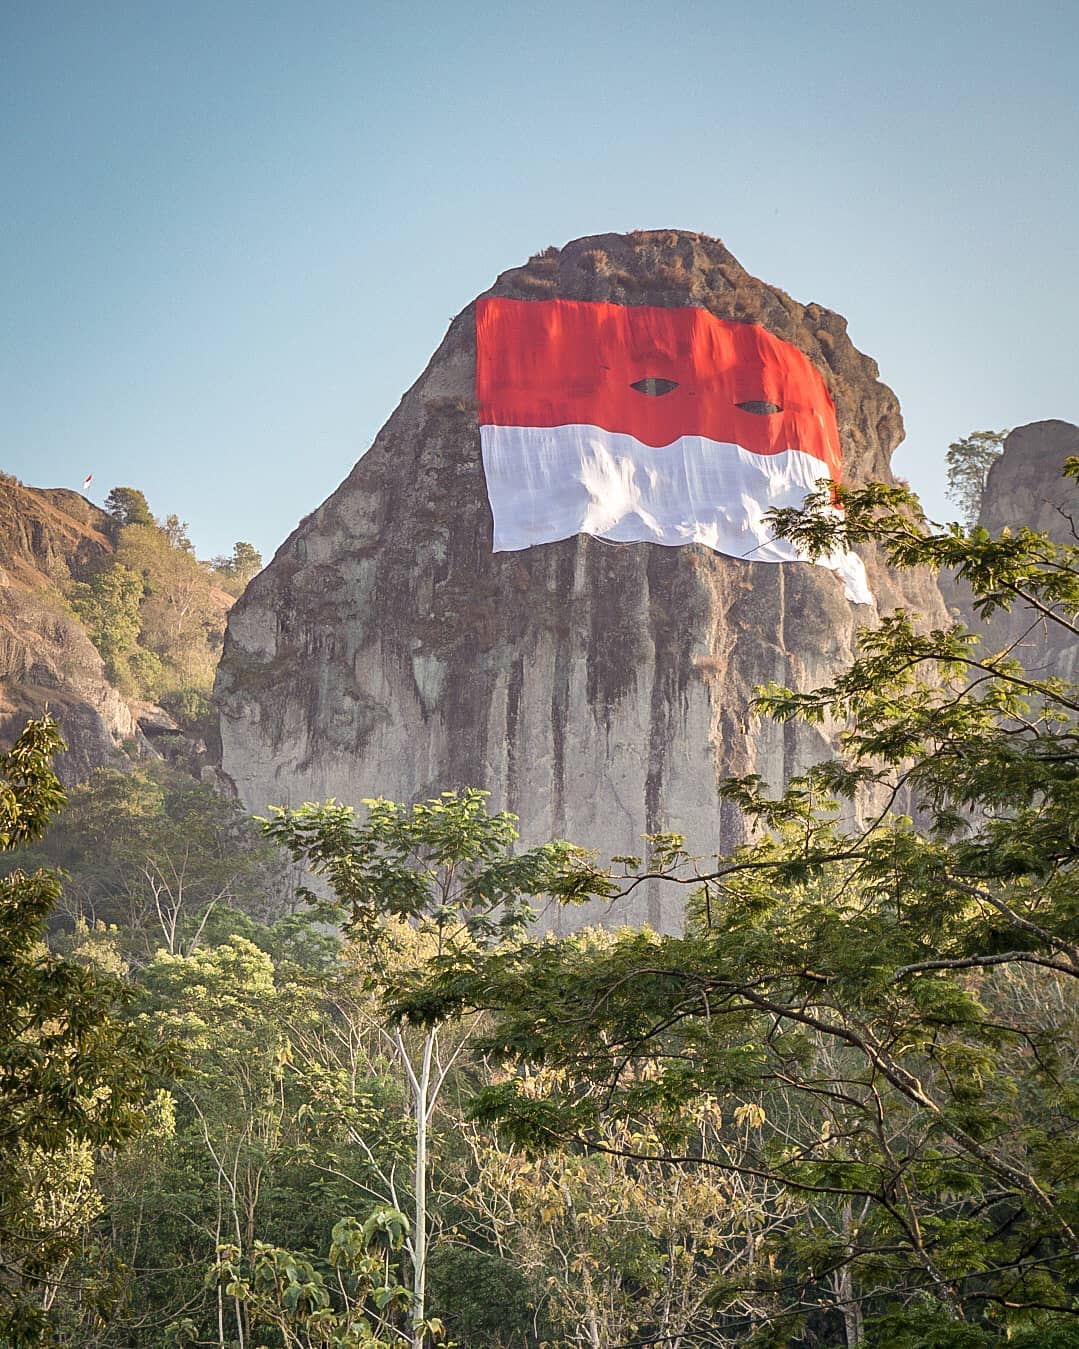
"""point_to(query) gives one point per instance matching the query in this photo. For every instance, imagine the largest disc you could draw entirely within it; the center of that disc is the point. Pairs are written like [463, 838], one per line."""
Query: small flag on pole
[88, 481]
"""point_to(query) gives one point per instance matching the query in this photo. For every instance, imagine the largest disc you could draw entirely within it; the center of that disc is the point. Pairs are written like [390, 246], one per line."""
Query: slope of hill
[99, 669]
[47, 659]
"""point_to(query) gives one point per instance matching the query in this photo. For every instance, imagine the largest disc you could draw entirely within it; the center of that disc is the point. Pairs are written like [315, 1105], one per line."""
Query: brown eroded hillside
[67, 645]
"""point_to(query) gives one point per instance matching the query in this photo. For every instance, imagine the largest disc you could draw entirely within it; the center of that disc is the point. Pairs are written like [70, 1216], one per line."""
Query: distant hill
[115, 628]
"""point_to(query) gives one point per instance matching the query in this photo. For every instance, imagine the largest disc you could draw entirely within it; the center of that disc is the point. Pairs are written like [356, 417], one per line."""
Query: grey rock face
[598, 691]
[1025, 487]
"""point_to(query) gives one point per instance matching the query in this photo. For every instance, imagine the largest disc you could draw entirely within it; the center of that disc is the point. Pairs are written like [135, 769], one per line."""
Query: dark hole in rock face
[654, 388]
[761, 409]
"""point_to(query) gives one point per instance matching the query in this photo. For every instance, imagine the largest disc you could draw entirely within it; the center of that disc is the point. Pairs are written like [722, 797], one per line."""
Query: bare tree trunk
[419, 1239]
[586, 1278]
[844, 1288]
[220, 1285]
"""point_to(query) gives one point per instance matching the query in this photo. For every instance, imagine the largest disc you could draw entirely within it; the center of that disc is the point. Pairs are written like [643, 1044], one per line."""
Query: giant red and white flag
[643, 424]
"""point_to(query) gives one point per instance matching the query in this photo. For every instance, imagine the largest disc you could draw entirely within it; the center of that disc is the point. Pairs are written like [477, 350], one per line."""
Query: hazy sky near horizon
[234, 233]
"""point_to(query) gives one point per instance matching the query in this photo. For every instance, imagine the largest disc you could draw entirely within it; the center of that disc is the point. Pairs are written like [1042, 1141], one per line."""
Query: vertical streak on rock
[565, 566]
[653, 786]
[514, 687]
[466, 709]
[790, 728]
[559, 712]
[664, 691]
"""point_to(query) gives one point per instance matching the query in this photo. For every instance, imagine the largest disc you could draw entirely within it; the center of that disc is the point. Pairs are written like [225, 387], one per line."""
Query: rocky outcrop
[47, 661]
[598, 691]
[1026, 487]
[1025, 484]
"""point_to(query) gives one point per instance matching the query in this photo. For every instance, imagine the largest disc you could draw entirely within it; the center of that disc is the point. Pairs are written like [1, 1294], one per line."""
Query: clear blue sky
[233, 233]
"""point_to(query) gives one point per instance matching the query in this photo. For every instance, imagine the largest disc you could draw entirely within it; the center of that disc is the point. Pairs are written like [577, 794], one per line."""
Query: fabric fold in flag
[646, 424]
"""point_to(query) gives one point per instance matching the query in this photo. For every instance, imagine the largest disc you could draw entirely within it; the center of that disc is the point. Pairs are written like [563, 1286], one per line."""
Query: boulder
[1026, 487]
[1025, 484]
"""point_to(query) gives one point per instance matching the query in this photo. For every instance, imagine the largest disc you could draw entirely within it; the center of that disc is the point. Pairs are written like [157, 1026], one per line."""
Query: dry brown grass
[538, 285]
[546, 261]
[624, 279]
[674, 277]
[450, 404]
[595, 260]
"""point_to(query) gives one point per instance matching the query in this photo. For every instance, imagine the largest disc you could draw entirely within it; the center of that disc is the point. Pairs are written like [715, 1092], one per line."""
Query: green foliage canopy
[240, 566]
[968, 462]
[446, 865]
[72, 1071]
[128, 506]
[897, 997]
[154, 611]
[108, 605]
[162, 857]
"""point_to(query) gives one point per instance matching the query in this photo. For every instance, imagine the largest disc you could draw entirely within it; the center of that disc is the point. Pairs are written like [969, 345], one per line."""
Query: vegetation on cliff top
[155, 612]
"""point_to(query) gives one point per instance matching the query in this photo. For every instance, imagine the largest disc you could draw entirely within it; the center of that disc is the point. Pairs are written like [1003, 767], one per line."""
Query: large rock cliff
[600, 692]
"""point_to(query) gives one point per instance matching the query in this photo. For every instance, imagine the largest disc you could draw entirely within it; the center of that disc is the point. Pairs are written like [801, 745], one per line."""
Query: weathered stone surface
[46, 659]
[1025, 487]
[599, 691]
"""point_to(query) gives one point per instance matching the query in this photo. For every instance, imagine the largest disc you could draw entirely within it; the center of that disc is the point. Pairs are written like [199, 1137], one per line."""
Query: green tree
[234, 1014]
[175, 531]
[127, 506]
[72, 1072]
[244, 562]
[237, 1153]
[164, 859]
[445, 867]
[181, 619]
[281, 1289]
[108, 605]
[154, 611]
[897, 1000]
[969, 461]
[485, 1300]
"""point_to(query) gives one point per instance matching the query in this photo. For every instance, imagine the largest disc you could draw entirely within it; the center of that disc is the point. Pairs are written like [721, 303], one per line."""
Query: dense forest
[312, 1081]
